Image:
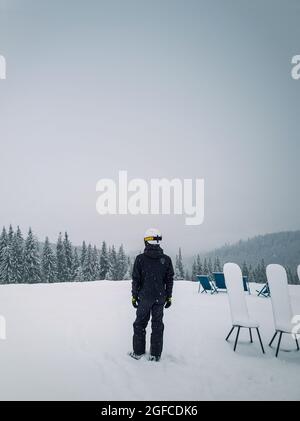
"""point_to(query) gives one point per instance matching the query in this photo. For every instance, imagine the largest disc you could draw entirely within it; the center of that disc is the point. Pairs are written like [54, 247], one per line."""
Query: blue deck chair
[219, 280]
[206, 284]
[246, 284]
[264, 291]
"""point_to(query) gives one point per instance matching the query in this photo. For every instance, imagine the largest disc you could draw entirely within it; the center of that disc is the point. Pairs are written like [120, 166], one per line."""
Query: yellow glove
[134, 302]
[168, 302]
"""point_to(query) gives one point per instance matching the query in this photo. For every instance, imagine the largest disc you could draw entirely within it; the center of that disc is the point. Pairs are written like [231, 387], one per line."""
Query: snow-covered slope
[70, 341]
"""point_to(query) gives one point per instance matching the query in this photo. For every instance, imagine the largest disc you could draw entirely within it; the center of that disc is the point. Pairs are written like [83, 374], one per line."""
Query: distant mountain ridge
[281, 247]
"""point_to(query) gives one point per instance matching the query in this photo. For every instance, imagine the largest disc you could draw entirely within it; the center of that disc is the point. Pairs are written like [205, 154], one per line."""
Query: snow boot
[154, 358]
[135, 356]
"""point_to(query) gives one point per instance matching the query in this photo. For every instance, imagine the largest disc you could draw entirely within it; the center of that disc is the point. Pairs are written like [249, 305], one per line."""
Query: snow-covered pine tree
[113, 264]
[88, 271]
[121, 263]
[250, 274]
[187, 275]
[179, 270]
[260, 272]
[210, 267]
[199, 265]
[83, 253]
[179, 264]
[176, 271]
[62, 269]
[129, 269]
[32, 269]
[49, 268]
[104, 263]
[18, 256]
[217, 265]
[6, 264]
[6, 267]
[108, 259]
[10, 234]
[68, 256]
[3, 240]
[3, 245]
[194, 271]
[96, 263]
[263, 271]
[76, 266]
[255, 273]
[205, 267]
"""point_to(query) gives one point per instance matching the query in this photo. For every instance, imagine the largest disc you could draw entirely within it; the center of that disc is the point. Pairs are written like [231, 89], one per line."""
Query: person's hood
[154, 251]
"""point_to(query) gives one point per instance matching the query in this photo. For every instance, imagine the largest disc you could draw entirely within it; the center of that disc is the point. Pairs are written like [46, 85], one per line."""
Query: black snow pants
[147, 308]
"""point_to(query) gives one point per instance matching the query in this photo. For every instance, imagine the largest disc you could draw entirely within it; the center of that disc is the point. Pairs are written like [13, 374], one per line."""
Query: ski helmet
[152, 236]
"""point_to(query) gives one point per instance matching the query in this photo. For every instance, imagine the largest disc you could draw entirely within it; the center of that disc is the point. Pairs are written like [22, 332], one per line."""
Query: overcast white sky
[188, 89]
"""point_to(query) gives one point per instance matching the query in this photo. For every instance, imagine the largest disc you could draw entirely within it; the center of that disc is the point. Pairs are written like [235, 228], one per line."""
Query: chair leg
[264, 291]
[261, 344]
[227, 337]
[251, 340]
[278, 345]
[270, 344]
[297, 343]
[237, 337]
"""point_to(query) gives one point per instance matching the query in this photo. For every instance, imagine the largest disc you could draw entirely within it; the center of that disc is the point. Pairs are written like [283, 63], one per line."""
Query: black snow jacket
[152, 275]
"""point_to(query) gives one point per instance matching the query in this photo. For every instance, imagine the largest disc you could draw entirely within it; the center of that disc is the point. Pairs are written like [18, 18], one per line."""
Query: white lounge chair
[238, 306]
[281, 304]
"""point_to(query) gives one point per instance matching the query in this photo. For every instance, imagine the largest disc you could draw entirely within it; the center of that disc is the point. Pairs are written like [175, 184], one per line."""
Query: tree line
[255, 273]
[24, 261]
[208, 265]
[27, 261]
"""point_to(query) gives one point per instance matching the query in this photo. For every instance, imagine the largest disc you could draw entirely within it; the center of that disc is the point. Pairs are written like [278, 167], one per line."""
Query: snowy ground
[69, 341]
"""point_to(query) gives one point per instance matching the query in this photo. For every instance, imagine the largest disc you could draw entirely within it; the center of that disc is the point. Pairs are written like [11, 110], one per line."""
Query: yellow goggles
[157, 238]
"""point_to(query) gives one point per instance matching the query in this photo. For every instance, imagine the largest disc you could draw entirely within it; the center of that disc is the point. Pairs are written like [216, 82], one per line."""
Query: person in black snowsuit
[152, 284]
